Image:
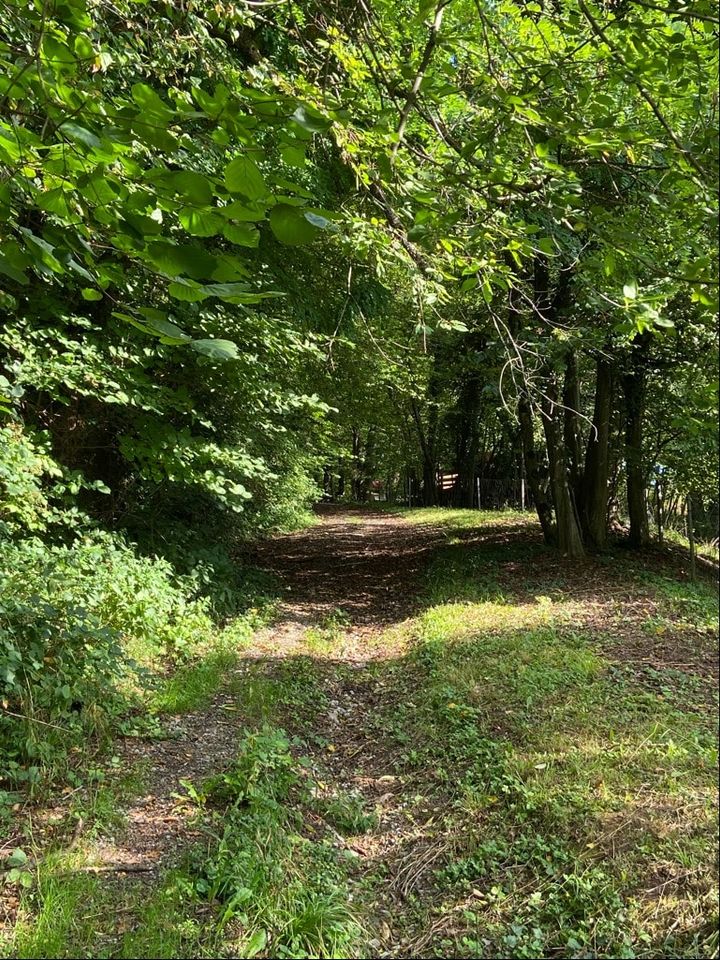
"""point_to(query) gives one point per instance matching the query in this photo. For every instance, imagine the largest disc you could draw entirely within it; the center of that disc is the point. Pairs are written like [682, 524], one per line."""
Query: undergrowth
[258, 884]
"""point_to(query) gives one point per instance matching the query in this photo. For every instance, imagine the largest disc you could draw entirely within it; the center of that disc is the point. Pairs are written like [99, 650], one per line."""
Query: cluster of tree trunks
[569, 479]
[567, 456]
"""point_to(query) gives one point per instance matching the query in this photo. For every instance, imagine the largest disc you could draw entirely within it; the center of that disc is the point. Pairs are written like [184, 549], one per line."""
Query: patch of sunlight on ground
[463, 519]
[454, 621]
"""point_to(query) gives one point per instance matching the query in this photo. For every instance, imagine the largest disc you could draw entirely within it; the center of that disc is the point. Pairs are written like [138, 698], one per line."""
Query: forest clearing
[359, 510]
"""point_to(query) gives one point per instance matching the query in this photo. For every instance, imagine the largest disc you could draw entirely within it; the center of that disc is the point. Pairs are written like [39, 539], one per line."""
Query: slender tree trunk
[355, 483]
[468, 442]
[427, 446]
[569, 538]
[366, 467]
[634, 388]
[594, 510]
[571, 423]
[535, 472]
[691, 535]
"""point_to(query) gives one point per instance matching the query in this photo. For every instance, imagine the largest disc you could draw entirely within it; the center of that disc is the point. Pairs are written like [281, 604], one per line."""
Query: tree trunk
[328, 482]
[355, 480]
[634, 387]
[594, 510]
[366, 467]
[467, 448]
[571, 423]
[427, 446]
[569, 538]
[535, 472]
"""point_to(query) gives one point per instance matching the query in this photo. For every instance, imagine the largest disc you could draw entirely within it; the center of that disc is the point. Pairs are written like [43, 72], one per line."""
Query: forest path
[424, 670]
[356, 570]
[319, 671]
[336, 659]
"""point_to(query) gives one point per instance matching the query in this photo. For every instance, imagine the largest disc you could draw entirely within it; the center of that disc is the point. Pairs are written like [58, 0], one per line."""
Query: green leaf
[149, 102]
[242, 234]
[187, 258]
[83, 48]
[293, 226]
[216, 349]
[228, 290]
[193, 186]
[19, 276]
[242, 175]
[292, 155]
[237, 210]
[546, 245]
[256, 943]
[311, 120]
[200, 223]
[187, 290]
[54, 201]
[154, 323]
[17, 858]
[79, 134]
[630, 289]
[88, 293]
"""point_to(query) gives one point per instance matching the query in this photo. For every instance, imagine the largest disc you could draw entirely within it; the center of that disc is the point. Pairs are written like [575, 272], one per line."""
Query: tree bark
[634, 388]
[536, 473]
[467, 446]
[594, 509]
[571, 423]
[569, 538]
[427, 446]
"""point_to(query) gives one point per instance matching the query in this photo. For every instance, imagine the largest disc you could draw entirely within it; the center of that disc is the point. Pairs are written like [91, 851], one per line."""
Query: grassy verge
[259, 882]
[573, 804]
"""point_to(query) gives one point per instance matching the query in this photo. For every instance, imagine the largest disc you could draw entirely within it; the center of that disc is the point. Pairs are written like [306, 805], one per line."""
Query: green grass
[571, 791]
[456, 520]
[193, 684]
[55, 919]
[578, 805]
[74, 913]
[545, 799]
[276, 888]
[707, 549]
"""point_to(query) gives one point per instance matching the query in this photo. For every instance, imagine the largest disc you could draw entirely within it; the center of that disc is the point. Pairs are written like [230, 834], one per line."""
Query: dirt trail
[363, 564]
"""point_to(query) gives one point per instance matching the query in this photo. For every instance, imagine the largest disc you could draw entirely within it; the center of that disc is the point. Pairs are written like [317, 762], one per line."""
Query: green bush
[78, 623]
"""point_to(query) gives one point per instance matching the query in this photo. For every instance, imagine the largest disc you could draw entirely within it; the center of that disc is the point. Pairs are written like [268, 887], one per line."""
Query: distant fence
[498, 494]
